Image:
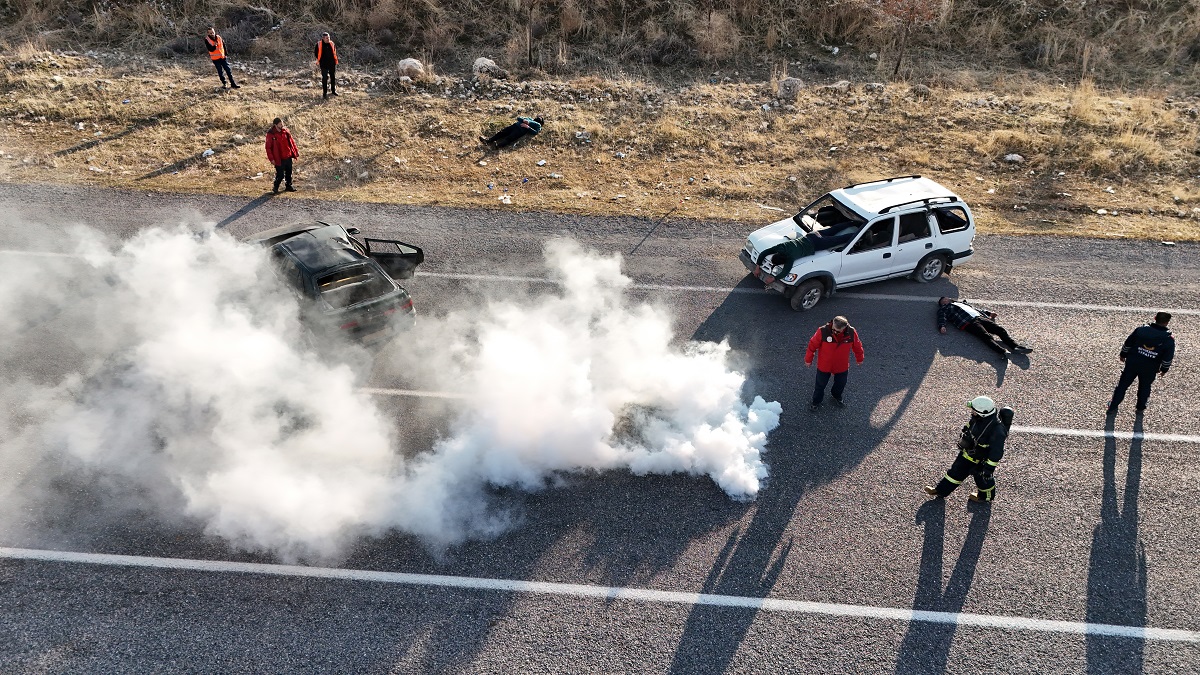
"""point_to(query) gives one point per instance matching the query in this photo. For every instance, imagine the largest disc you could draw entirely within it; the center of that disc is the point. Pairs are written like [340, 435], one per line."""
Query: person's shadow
[1117, 569]
[926, 645]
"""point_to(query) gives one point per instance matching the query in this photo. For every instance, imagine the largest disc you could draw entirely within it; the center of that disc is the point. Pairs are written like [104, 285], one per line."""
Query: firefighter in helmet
[981, 446]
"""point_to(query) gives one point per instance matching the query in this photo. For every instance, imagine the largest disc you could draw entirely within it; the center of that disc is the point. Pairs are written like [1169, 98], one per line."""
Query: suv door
[398, 259]
[914, 241]
[869, 257]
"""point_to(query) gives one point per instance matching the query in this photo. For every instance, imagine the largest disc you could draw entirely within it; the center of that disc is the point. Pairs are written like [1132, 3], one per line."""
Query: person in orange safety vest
[327, 58]
[216, 52]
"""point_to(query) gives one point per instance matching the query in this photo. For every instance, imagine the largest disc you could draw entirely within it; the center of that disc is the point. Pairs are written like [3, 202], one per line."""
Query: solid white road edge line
[747, 291]
[1089, 433]
[609, 593]
[1041, 431]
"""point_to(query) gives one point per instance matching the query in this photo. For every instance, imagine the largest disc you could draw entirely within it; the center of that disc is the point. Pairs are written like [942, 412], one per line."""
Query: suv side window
[914, 226]
[877, 236]
[951, 219]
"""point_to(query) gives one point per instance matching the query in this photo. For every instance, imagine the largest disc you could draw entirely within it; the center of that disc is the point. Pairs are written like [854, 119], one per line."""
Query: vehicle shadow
[1117, 569]
[809, 449]
[926, 645]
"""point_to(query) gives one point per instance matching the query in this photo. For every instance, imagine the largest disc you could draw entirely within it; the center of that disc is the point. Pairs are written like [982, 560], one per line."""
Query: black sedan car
[347, 285]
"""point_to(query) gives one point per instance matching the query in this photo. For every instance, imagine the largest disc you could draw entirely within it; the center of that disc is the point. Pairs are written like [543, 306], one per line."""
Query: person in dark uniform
[981, 447]
[327, 59]
[1147, 353]
[514, 132]
[978, 322]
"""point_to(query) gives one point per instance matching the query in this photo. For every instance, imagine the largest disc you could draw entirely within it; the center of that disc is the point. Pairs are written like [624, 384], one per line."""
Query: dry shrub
[1136, 152]
[515, 49]
[840, 21]
[716, 36]
[383, 15]
[1081, 107]
[571, 18]
[1007, 141]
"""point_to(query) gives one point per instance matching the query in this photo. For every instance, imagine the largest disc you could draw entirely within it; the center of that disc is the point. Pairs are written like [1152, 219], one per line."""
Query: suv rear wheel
[807, 295]
[930, 268]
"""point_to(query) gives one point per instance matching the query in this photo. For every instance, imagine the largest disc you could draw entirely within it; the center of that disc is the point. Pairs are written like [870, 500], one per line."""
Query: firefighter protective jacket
[1150, 348]
[987, 434]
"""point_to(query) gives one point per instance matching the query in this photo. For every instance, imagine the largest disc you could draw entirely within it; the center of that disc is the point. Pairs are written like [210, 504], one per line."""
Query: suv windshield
[352, 285]
[826, 212]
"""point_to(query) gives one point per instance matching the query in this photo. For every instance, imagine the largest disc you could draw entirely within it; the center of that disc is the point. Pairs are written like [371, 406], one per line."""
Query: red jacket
[832, 351]
[280, 145]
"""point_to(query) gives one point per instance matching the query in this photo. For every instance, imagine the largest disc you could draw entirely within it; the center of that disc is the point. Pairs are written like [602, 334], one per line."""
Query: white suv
[896, 227]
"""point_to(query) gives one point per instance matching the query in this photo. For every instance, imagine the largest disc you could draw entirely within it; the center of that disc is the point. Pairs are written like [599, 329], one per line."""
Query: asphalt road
[1086, 529]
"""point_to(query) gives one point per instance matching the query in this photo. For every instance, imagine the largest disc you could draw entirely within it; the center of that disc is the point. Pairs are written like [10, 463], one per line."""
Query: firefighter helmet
[982, 405]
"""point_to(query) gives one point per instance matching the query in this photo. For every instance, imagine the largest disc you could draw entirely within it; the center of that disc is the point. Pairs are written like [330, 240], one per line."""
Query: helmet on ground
[982, 405]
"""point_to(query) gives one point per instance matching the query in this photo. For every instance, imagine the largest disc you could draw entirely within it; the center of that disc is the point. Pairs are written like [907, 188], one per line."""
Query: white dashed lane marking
[751, 291]
[610, 593]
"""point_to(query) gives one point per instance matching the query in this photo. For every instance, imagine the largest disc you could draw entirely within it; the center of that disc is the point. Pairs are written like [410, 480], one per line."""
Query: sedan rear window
[352, 285]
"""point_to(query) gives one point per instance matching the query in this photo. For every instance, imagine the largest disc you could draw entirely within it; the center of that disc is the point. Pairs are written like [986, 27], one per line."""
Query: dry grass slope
[718, 151]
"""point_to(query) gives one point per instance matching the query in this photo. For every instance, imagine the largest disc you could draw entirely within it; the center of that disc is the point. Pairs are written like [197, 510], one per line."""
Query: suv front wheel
[807, 295]
[930, 268]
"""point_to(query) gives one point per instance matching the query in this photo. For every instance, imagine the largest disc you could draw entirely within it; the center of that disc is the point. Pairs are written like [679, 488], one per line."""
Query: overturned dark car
[347, 286]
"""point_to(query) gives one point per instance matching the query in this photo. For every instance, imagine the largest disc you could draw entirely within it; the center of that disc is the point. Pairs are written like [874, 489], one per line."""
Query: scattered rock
[874, 87]
[841, 86]
[1013, 158]
[411, 68]
[920, 91]
[1102, 212]
[789, 88]
[208, 153]
[486, 66]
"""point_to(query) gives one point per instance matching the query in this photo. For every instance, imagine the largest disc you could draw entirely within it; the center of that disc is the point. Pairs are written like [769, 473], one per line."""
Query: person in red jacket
[281, 150]
[832, 345]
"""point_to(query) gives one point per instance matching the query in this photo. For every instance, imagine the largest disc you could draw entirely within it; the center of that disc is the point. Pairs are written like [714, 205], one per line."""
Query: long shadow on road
[809, 449]
[1117, 569]
[926, 646]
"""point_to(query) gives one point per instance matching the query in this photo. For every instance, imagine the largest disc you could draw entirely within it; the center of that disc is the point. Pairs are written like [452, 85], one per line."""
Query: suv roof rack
[882, 180]
[926, 201]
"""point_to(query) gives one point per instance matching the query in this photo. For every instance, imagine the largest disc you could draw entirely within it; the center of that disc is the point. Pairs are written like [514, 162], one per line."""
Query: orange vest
[321, 44]
[219, 52]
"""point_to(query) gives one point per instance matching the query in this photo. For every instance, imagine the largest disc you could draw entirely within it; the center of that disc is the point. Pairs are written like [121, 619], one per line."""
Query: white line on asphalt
[1089, 433]
[411, 392]
[856, 296]
[1040, 431]
[1023, 303]
[609, 593]
[754, 291]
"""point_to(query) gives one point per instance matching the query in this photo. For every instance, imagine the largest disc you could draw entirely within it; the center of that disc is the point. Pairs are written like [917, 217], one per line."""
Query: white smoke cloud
[167, 375]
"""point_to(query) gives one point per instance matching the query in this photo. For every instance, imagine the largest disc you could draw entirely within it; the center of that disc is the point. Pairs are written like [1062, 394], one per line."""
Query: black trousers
[839, 385]
[984, 328]
[328, 79]
[222, 67]
[508, 135]
[1145, 378]
[964, 465]
[283, 172]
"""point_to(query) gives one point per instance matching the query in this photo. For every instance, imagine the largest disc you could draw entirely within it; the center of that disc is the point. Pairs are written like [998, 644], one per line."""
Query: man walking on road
[216, 52]
[1147, 353]
[978, 322]
[832, 344]
[981, 447]
[281, 150]
[327, 59]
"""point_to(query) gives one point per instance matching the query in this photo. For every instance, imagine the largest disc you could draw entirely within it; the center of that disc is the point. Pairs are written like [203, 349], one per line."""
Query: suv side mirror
[352, 230]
